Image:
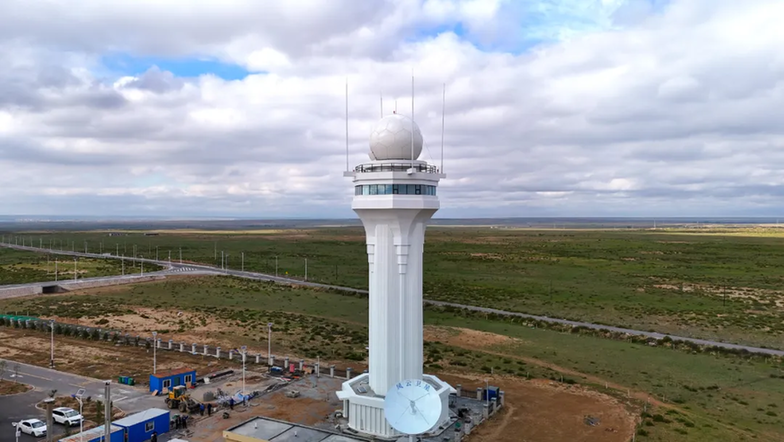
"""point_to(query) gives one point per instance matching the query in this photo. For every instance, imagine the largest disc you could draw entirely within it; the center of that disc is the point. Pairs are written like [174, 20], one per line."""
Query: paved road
[22, 406]
[206, 269]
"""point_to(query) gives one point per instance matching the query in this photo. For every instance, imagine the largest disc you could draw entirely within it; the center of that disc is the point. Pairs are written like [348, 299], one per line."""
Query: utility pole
[51, 348]
[107, 411]
[216, 251]
[180, 255]
[156, 253]
[55, 270]
[122, 260]
[244, 350]
[169, 256]
[49, 424]
[243, 261]
[306, 269]
[269, 343]
[276, 266]
[117, 250]
[142, 264]
[75, 269]
[154, 354]
[223, 260]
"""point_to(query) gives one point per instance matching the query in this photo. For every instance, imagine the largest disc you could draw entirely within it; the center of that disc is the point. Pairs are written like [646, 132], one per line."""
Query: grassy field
[720, 284]
[704, 397]
[19, 267]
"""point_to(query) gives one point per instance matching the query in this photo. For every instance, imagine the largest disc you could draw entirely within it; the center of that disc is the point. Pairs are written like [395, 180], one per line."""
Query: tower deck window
[395, 189]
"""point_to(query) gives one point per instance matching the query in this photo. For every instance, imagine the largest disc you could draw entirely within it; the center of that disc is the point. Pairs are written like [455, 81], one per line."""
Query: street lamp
[154, 354]
[244, 350]
[51, 355]
[269, 343]
[78, 397]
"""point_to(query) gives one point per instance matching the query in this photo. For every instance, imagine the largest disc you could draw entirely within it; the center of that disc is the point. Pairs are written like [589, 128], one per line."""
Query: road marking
[34, 376]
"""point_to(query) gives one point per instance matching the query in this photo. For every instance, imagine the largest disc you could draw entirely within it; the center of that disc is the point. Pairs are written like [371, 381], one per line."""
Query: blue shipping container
[140, 426]
[166, 380]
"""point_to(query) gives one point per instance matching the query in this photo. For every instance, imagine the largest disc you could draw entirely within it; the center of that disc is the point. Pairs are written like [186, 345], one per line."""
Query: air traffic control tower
[394, 196]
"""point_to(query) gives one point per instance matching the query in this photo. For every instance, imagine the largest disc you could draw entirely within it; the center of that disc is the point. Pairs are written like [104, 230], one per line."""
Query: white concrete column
[217, 352]
[348, 373]
[258, 359]
[479, 394]
[231, 354]
[182, 347]
[301, 364]
[193, 348]
[332, 371]
[459, 389]
[272, 360]
[171, 343]
[205, 349]
[286, 363]
[501, 397]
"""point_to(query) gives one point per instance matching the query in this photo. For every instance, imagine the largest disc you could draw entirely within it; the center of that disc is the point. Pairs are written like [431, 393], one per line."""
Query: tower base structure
[364, 408]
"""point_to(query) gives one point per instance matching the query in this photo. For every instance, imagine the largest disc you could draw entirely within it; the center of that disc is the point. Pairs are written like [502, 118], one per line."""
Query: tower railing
[395, 167]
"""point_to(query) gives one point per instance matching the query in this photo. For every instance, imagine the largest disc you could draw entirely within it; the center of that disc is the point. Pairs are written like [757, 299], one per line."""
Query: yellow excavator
[180, 399]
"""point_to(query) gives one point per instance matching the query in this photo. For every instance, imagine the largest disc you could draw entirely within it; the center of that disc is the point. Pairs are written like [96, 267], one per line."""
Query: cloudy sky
[236, 107]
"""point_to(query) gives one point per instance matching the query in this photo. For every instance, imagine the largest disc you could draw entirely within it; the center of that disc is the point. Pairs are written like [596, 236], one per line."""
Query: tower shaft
[395, 239]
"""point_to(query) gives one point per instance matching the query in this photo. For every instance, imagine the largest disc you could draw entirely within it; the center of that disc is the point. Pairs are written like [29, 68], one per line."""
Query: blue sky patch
[125, 64]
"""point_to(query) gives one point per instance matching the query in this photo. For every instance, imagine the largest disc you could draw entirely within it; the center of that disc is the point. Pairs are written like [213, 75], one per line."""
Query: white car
[33, 427]
[66, 416]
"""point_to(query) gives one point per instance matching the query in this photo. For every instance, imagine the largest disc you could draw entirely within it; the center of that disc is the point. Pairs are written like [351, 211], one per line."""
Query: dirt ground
[546, 411]
[10, 387]
[96, 359]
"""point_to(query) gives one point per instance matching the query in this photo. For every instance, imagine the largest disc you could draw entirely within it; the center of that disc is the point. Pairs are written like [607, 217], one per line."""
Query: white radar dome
[390, 139]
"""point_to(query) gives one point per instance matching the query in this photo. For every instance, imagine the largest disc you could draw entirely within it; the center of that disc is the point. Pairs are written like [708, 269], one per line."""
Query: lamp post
[154, 352]
[78, 397]
[269, 343]
[244, 350]
[51, 350]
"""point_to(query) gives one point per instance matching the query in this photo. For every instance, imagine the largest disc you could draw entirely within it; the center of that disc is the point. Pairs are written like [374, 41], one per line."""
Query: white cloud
[623, 110]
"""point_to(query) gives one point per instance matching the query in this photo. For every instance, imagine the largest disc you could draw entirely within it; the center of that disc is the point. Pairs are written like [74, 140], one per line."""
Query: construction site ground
[536, 410]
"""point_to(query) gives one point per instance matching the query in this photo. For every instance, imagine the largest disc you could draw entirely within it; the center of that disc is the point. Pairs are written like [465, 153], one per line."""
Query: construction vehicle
[180, 399]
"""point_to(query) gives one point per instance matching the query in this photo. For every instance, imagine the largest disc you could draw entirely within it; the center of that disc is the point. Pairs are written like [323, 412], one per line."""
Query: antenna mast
[347, 124]
[443, 116]
[412, 119]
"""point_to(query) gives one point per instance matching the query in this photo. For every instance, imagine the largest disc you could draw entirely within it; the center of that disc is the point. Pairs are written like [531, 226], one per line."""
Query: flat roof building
[263, 429]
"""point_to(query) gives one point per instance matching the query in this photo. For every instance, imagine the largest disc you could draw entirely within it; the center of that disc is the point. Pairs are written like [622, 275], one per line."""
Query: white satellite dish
[412, 406]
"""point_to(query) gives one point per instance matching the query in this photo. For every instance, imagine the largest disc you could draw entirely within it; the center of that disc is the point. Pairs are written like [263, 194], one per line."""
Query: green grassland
[708, 397]
[19, 267]
[720, 284]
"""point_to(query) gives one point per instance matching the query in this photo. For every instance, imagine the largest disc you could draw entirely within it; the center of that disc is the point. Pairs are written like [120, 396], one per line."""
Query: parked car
[66, 416]
[33, 427]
